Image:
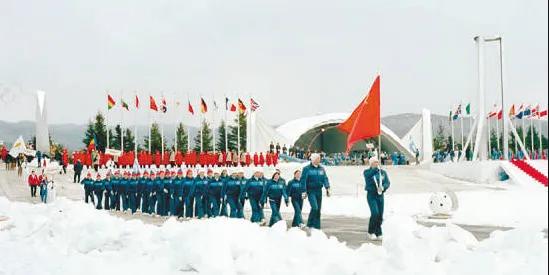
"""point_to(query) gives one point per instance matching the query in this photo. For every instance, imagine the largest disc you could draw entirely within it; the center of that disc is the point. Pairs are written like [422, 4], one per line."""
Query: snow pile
[72, 238]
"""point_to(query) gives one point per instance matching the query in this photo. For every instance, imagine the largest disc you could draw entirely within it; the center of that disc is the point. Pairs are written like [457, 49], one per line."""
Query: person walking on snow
[274, 192]
[296, 192]
[313, 178]
[376, 184]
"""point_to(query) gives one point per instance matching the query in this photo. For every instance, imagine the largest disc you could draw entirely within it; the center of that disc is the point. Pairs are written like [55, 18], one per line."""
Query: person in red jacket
[256, 159]
[157, 159]
[261, 159]
[65, 160]
[3, 153]
[178, 158]
[33, 182]
[248, 159]
[275, 159]
[269, 159]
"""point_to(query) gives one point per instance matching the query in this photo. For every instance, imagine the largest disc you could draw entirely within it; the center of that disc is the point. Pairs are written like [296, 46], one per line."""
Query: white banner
[29, 152]
[113, 152]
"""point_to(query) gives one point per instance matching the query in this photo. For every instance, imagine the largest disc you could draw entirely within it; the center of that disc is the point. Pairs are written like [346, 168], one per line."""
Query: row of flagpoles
[523, 112]
[160, 106]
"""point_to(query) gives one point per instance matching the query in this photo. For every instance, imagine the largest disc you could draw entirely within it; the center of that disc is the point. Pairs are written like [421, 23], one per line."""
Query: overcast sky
[296, 58]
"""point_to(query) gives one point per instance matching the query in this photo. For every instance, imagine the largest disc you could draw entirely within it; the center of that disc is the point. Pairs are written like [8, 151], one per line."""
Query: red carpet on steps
[531, 171]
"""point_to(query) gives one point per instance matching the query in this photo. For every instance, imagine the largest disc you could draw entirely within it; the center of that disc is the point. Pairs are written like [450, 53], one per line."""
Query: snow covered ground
[68, 237]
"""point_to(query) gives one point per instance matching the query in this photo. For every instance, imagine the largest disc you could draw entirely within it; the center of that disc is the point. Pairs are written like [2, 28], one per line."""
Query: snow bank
[72, 238]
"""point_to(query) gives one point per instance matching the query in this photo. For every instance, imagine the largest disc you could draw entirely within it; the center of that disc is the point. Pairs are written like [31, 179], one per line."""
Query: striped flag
[520, 112]
[253, 105]
[512, 112]
[136, 102]
[457, 112]
[241, 106]
[203, 106]
[164, 106]
[124, 105]
[468, 109]
[110, 102]
[542, 113]
[233, 108]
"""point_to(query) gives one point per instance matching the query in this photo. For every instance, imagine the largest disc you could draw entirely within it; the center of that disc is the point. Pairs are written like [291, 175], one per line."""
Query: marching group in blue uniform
[212, 193]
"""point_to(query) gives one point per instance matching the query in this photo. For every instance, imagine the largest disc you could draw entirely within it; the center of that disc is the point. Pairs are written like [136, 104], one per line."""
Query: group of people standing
[210, 193]
[41, 181]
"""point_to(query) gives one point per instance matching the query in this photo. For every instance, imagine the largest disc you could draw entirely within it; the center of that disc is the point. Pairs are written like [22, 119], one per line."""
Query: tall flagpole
[135, 126]
[462, 134]
[497, 132]
[121, 124]
[532, 134]
[523, 129]
[213, 124]
[238, 126]
[516, 144]
[163, 117]
[489, 138]
[226, 122]
[452, 128]
[150, 123]
[175, 139]
[540, 137]
[107, 122]
[188, 127]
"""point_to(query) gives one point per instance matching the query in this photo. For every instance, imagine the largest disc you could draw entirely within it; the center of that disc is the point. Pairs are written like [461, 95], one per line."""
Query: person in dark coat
[376, 184]
[313, 179]
[77, 171]
[296, 191]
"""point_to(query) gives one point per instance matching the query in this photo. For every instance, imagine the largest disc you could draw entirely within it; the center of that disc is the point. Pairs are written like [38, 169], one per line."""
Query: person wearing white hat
[376, 184]
[215, 188]
[313, 179]
[200, 193]
[254, 191]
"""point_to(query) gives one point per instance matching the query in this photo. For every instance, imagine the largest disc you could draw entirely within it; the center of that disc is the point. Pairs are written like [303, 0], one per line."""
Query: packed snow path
[344, 220]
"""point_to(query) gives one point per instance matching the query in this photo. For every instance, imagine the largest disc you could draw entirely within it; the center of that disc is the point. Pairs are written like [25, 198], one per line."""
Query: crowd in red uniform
[178, 158]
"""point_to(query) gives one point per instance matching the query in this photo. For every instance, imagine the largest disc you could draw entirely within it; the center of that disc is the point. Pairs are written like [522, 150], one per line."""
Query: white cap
[315, 156]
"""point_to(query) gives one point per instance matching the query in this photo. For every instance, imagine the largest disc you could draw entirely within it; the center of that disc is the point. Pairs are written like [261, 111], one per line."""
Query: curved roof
[294, 129]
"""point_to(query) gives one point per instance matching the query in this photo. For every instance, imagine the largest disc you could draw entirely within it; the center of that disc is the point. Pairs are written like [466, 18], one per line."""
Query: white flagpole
[162, 126]
[471, 129]
[135, 127]
[238, 126]
[107, 122]
[523, 129]
[497, 132]
[532, 135]
[188, 128]
[489, 138]
[516, 144]
[452, 128]
[540, 137]
[150, 124]
[213, 124]
[226, 123]
[176, 124]
[462, 134]
[121, 124]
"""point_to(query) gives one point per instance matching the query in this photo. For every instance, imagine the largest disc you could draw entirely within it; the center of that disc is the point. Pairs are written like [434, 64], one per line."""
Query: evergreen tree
[438, 141]
[182, 138]
[494, 140]
[233, 134]
[116, 141]
[156, 139]
[100, 132]
[129, 140]
[88, 135]
[207, 138]
[221, 136]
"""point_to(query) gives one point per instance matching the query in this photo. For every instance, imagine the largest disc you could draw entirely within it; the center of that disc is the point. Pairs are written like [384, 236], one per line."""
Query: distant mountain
[71, 135]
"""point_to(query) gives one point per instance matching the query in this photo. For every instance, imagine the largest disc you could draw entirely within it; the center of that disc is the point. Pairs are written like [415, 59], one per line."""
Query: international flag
[110, 102]
[91, 145]
[152, 104]
[203, 106]
[253, 105]
[233, 107]
[527, 110]
[494, 112]
[468, 109]
[457, 113]
[241, 106]
[520, 112]
[365, 121]
[542, 113]
[190, 108]
[534, 112]
[512, 111]
[500, 114]
[124, 105]
[136, 102]
[226, 103]
[164, 106]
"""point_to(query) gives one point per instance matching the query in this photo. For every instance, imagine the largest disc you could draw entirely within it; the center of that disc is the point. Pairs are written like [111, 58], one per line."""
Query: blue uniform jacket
[132, 186]
[215, 187]
[115, 183]
[108, 185]
[141, 185]
[370, 183]
[232, 187]
[178, 186]
[314, 178]
[295, 189]
[98, 186]
[254, 188]
[200, 186]
[168, 186]
[149, 188]
[158, 186]
[123, 186]
[88, 184]
[188, 187]
[275, 190]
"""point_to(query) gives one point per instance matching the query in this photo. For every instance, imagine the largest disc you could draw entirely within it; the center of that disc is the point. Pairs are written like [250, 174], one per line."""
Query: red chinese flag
[365, 121]
[233, 108]
[153, 104]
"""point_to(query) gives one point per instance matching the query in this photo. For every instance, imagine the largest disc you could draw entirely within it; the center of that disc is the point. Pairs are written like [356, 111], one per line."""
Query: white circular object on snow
[441, 203]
